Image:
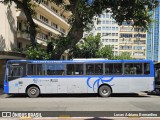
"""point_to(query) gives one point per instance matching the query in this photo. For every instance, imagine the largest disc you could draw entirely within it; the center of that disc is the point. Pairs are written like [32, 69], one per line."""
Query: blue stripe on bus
[98, 81]
[6, 87]
[79, 61]
[86, 76]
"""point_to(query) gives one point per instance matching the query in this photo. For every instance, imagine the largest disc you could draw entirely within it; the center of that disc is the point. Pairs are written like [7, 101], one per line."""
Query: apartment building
[50, 18]
[109, 30]
[132, 40]
[123, 38]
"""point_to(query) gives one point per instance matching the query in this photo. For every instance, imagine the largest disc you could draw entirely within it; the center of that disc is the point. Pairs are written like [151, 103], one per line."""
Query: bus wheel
[104, 91]
[33, 92]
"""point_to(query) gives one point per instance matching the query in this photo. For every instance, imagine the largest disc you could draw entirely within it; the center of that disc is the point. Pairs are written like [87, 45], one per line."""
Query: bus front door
[15, 72]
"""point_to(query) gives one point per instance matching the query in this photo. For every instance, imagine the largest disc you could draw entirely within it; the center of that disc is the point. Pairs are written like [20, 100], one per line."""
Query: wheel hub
[104, 91]
[33, 91]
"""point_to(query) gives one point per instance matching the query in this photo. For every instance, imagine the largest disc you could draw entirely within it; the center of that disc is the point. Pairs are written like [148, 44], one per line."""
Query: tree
[106, 52]
[37, 53]
[124, 56]
[132, 11]
[87, 48]
[83, 11]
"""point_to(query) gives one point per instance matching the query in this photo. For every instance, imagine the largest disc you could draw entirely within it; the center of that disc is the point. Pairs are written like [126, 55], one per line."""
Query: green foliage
[106, 52]
[87, 48]
[36, 53]
[124, 56]
[56, 45]
[90, 47]
[123, 10]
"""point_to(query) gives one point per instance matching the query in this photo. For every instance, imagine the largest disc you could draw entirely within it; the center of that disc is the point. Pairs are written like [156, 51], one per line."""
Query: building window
[43, 36]
[19, 26]
[54, 25]
[54, 9]
[44, 19]
[45, 2]
[107, 15]
[62, 30]
[19, 45]
[98, 28]
[125, 35]
[140, 35]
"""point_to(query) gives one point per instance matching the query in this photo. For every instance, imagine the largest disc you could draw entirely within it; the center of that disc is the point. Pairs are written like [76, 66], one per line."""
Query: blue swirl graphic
[100, 79]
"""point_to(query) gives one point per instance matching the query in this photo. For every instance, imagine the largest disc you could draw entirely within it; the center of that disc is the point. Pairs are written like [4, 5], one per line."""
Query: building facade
[153, 41]
[133, 41]
[50, 18]
[107, 27]
[123, 38]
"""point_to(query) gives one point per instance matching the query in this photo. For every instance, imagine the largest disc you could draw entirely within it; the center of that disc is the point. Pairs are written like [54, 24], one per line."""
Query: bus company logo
[35, 80]
[98, 82]
[6, 114]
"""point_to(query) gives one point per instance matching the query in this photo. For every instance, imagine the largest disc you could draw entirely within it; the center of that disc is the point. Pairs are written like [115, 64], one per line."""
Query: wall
[2, 71]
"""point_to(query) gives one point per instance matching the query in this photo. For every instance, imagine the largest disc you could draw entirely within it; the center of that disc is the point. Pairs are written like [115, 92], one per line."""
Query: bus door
[157, 77]
[14, 72]
[75, 82]
[56, 84]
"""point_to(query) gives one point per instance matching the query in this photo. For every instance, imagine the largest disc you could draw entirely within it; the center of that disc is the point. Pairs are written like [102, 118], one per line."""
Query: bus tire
[104, 91]
[33, 92]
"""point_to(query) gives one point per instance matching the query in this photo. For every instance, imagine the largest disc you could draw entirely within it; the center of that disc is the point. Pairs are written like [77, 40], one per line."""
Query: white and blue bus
[35, 77]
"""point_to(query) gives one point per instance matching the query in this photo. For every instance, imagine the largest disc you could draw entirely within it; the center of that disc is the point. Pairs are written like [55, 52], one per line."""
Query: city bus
[102, 76]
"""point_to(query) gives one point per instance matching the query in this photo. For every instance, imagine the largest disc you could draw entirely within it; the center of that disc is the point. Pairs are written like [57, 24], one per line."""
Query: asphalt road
[53, 103]
[117, 102]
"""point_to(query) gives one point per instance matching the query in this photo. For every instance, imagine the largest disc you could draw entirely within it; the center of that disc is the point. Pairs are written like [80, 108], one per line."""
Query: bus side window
[75, 69]
[99, 69]
[89, 69]
[118, 68]
[128, 68]
[109, 69]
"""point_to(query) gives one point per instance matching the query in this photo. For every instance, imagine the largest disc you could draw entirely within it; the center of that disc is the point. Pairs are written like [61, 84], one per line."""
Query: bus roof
[76, 61]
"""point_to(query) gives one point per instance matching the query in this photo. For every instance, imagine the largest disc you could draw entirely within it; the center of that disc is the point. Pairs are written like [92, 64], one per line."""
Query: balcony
[56, 16]
[20, 14]
[26, 36]
[47, 26]
[41, 41]
[23, 35]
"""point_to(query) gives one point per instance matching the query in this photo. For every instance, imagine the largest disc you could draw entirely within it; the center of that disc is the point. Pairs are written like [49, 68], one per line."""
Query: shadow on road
[76, 95]
[129, 95]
